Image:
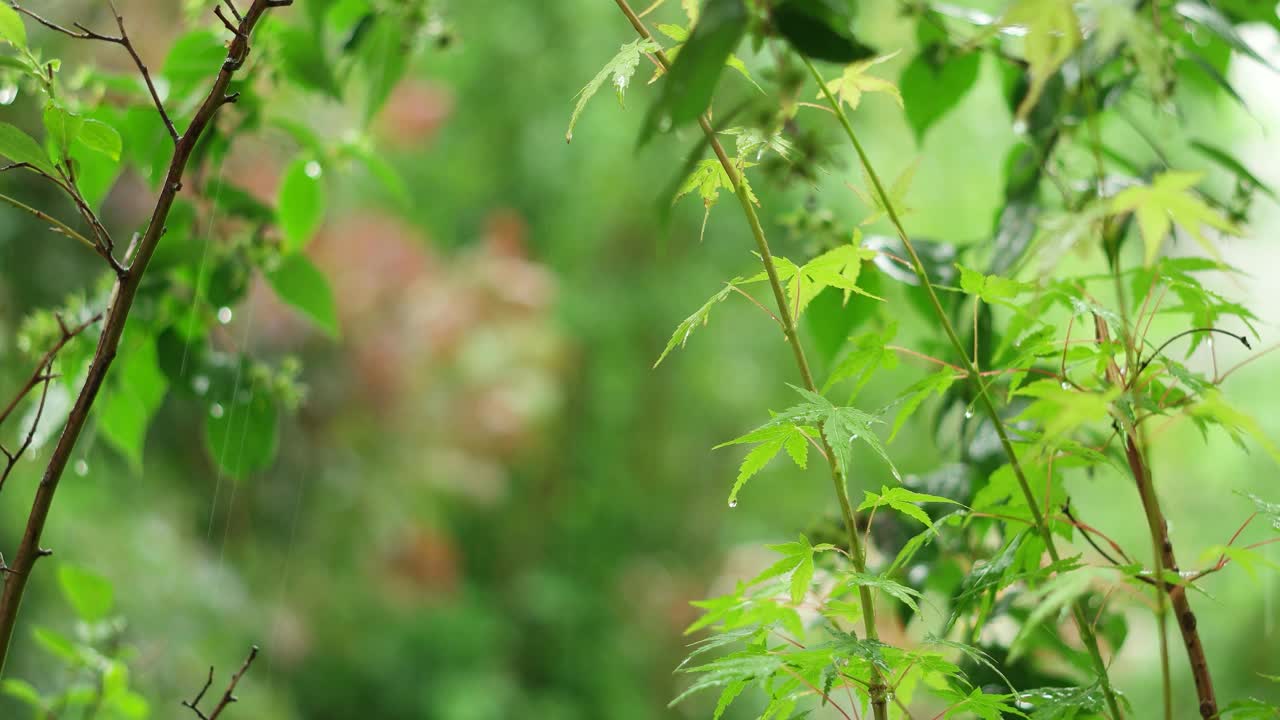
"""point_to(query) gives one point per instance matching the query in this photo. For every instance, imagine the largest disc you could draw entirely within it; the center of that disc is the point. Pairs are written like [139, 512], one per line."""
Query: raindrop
[224, 315]
[1020, 127]
[312, 169]
[200, 384]
[620, 81]
[853, 437]
[216, 411]
[665, 123]
[968, 413]
[8, 93]
[82, 467]
[733, 503]
[1066, 385]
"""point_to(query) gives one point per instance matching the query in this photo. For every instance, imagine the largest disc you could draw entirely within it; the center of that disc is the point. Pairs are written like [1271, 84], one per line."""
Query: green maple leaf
[708, 178]
[855, 81]
[698, 318]
[837, 268]
[771, 439]
[904, 501]
[617, 71]
[1167, 201]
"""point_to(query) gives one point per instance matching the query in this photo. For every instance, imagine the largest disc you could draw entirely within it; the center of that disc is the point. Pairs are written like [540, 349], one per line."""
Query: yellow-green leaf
[12, 30]
[1170, 199]
[850, 86]
[1052, 34]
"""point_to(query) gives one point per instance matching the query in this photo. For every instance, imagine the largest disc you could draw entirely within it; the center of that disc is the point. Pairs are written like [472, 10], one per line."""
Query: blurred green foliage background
[490, 505]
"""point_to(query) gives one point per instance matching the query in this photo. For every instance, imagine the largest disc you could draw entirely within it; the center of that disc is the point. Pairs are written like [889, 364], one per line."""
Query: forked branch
[128, 281]
[228, 695]
[83, 33]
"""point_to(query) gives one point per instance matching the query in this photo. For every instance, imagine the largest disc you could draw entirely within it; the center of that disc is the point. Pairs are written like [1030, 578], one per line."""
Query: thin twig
[40, 376]
[58, 226]
[228, 696]
[1244, 340]
[123, 41]
[754, 301]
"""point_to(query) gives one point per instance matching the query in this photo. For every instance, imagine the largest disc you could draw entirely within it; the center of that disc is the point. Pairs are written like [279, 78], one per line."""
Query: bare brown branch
[228, 696]
[128, 281]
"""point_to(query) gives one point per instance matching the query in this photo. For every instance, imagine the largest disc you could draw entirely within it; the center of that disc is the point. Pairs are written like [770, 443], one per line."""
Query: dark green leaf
[1228, 162]
[194, 59]
[124, 414]
[820, 29]
[692, 79]
[300, 204]
[22, 148]
[1241, 11]
[304, 61]
[301, 284]
[241, 436]
[384, 55]
[1208, 17]
[931, 87]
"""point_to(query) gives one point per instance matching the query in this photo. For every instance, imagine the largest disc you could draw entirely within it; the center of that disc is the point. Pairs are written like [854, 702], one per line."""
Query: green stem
[1086, 631]
[878, 691]
[46, 217]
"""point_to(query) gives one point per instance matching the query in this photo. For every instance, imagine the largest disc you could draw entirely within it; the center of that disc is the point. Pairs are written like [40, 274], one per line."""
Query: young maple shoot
[1035, 373]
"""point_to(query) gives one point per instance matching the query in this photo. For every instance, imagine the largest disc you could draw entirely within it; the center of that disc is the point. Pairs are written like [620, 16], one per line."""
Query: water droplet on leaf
[217, 411]
[968, 413]
[733, 503]
[8, 93]
[224, 315]
[313, 169]
[82, 467]
[200, 384]
[1066, 385]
